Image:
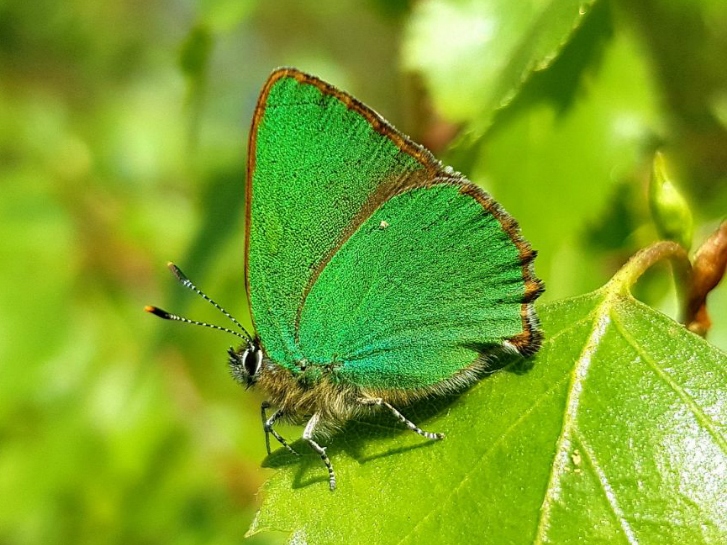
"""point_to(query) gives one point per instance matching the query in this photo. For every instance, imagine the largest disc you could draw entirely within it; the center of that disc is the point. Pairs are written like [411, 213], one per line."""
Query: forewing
[315, 157]
[435, 277]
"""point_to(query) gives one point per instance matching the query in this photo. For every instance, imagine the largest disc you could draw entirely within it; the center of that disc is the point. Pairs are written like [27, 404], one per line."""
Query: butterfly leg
[268, 424]
[377, 401]
[321, 451]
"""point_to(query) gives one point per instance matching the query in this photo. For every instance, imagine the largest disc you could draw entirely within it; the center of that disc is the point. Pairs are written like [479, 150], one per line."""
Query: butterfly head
[246, 363]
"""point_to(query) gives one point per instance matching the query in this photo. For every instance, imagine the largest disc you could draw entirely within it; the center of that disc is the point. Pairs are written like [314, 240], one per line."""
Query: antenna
[187, 283]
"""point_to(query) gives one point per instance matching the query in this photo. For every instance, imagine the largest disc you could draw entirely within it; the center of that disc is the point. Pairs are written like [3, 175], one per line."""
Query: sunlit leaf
[559, 172]
[476, 54]
[616, 434]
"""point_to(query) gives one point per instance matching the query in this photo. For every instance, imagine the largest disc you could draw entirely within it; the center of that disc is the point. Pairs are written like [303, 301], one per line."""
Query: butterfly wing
[436, 276]
[365, 254]
[315, 157]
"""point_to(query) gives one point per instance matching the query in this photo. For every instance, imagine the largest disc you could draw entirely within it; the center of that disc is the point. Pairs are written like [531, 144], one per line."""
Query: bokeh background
[123, 131]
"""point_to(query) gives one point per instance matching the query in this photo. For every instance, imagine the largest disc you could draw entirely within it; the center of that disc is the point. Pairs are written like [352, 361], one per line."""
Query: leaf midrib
[601, 320]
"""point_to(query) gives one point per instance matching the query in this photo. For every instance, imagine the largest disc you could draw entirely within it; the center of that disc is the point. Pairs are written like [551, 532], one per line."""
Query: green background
[122, 145]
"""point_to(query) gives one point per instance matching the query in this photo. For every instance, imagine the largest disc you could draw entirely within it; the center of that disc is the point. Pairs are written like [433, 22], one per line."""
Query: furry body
[319, 390]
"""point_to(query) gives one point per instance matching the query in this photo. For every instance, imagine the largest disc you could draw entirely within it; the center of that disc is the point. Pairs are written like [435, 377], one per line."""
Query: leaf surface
[615, 432]
[499, 45]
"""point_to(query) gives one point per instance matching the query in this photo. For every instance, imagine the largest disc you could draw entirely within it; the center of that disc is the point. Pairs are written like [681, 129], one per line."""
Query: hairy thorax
[318, 390]
[309, 392]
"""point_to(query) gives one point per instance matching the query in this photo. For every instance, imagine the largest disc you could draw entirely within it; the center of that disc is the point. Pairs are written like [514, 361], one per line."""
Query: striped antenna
[187, 283]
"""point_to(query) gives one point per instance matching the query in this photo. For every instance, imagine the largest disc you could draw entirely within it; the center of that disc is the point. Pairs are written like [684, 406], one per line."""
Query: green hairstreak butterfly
[376, 276]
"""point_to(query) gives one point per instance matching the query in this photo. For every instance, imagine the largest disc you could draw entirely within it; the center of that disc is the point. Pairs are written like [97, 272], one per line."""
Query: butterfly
[376, 276]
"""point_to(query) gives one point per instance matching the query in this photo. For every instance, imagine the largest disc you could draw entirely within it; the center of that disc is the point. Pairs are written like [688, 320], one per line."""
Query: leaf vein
[608, 491]
[550, 339]
[486, 455]
[601, 320]
[702, 417]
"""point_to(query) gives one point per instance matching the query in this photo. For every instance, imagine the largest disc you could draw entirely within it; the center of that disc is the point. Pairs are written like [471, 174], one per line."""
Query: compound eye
[252, 359]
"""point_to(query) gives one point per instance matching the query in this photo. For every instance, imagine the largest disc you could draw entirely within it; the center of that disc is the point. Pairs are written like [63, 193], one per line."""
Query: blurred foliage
[671, 213]
[122, 145]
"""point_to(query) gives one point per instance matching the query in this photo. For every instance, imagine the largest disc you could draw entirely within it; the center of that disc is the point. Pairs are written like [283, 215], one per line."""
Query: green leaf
[559, 172]
[499, 45]
[225, 15]
[615, 433]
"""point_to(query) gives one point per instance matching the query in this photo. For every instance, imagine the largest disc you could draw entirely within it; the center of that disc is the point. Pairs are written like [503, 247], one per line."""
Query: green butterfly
[376, 276]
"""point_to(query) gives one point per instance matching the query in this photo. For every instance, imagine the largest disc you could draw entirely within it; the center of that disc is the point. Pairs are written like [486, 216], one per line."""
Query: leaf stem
[646, 258]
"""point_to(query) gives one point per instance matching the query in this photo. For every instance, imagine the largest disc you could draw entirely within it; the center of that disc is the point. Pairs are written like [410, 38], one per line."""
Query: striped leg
[268, 424]
[308, 436]
[408, 423]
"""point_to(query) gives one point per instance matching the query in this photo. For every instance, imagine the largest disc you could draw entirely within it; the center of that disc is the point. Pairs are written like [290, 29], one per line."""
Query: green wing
[364, 253]
[316, 155]
[434, 278]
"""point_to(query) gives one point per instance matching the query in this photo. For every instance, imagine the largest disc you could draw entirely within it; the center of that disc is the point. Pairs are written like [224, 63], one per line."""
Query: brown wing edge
[529, 341]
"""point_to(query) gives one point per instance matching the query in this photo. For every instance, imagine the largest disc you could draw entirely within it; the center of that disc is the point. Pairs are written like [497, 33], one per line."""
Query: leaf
[224, 15]
[616, 432]
[559, 172]
[499, 45]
